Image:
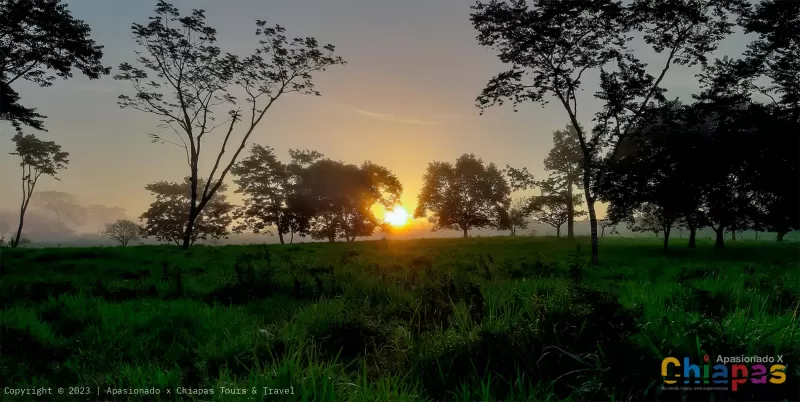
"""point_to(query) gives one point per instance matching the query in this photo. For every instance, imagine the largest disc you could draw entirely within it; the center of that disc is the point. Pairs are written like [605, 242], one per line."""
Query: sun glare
[397, 216]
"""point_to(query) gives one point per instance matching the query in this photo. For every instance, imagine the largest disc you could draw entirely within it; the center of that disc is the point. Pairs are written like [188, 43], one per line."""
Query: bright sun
[397, 216]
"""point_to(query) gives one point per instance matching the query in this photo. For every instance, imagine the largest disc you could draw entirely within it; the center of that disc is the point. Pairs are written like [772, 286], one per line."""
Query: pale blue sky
[405, 98]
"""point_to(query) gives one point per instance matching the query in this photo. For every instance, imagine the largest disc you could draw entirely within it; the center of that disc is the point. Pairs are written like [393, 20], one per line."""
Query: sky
[405, 98]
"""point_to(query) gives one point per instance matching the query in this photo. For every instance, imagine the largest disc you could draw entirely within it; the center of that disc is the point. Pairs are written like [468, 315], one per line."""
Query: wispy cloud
[453, 116]
[391, 118]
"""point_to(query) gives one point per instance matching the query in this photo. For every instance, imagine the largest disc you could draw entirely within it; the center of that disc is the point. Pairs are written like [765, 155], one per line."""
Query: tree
[265, 182]
[339, 198]
[37, 158]
[463, 196]
[551, 44]
[518, 215]
[270, 186]
[64, 206]
[606, 223]
[647, 218]
[769, 69]
[39, 38]
[654, 175]
[551, 209]
[165, 218]
[565, 164]
[184, 78]
[123, 231]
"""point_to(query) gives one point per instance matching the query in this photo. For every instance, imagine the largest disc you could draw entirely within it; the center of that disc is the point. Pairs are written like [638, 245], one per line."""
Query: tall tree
[39, 38]
[551, 44]
[464, 195]
[37, 158]
[768, 70]
[653, 177]
[164, 219]
[266, 184]
[184, 78]
[565, 164]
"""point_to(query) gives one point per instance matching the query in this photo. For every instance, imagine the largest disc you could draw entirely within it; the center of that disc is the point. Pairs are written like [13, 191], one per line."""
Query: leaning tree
[37, 158]
[185, 79]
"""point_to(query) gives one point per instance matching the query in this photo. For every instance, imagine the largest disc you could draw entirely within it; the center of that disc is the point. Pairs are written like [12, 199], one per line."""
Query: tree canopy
[339, 197]
[123, 231]
[166, 216]
[39, 40]
[464, 195]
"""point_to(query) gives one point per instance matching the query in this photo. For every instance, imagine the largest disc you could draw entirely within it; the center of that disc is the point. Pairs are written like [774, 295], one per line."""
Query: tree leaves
[166, 217]
[464, 195]
[39, 40]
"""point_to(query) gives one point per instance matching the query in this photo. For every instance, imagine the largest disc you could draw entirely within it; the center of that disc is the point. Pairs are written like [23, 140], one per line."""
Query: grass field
[475, 319]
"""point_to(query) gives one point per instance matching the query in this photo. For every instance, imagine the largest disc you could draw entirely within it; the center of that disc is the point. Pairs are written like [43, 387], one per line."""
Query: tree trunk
[780, 235]
[592, 222]
[733, 235]
[465, 232]
[602, 231]
[15, 240]
[667, 229]
[720, 242]
[187, 234]
[570, 212]
[280, 236]
[558, 232]
[692, 237]
[193, 210]
[291, 237]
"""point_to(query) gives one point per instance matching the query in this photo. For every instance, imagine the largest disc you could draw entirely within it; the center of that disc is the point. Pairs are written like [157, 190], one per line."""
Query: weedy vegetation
[438, 319]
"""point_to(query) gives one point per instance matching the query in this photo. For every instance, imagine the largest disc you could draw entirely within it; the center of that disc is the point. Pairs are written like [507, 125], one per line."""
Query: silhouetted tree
[124, 231]
[267, 184]
[464, 195]
[551, 209]
[166, 216]
[39, 38]
[518, 215]
[339, 197]
[184, 77]
[606, 223]
[654, 175]
[37, 158]
[551, 44]
[565, 164]
[648, 218]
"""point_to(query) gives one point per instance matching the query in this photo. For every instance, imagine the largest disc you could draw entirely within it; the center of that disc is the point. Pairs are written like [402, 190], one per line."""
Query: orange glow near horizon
[398, 216]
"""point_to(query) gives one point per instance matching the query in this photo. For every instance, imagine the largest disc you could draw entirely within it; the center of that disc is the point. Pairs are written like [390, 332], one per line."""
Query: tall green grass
[439, 319]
